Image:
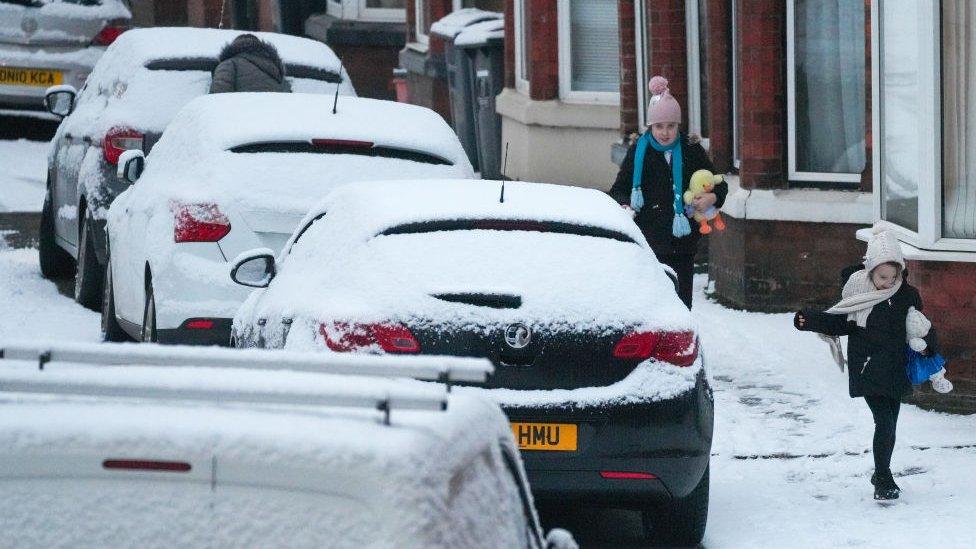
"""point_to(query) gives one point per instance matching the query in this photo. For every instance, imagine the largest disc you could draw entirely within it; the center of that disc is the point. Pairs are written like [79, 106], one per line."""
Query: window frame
[930, 99]
[420, 36]
[736, 126]
[566, 93]
[793, 174]
[522, 85]
[356, 10]
[695, 97]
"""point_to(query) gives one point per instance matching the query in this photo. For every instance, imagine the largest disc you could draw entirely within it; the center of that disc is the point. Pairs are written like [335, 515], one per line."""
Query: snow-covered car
[112, 453]
[219, 183]
[136, 88]
[46, 43]
[597, 361]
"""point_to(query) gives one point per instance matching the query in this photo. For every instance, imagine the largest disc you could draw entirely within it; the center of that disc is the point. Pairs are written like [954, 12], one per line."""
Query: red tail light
[342, 143]
[626, 475]
[113, 30]
[199, 223]
[344, 337]
[119, 140]
[199, 324]
[678, 348]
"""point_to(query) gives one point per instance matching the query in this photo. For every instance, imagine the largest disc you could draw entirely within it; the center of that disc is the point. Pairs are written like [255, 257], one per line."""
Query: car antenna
[335, 102]
[501, 198]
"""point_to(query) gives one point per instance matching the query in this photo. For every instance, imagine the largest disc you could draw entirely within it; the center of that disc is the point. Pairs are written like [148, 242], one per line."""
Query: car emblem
[518, 336]
[29, 25]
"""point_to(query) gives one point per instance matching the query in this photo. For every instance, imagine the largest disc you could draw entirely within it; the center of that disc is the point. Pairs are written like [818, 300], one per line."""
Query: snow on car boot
[939, 382]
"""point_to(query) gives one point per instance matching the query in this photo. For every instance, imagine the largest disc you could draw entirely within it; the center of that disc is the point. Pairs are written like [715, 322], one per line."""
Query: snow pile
[453, 23]
[481, 33]
[22, 181]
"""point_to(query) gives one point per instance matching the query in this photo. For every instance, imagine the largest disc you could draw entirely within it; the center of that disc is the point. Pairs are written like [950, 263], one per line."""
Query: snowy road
[791, 457]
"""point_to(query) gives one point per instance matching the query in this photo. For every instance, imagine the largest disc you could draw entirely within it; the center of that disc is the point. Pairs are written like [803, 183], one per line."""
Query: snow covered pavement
[791, 457]
[23, 165]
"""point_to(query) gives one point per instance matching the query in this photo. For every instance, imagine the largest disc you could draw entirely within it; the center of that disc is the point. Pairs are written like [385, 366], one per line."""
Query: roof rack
[102, 384]
[445, 369]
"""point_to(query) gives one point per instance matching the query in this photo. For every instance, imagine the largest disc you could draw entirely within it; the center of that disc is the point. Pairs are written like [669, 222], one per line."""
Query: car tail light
[113, 30]
[678, 348]
[626, 475]
[350, 143]
[199, 324]
[198, 223]
[344, 337]
[147, 465]
[119, 140]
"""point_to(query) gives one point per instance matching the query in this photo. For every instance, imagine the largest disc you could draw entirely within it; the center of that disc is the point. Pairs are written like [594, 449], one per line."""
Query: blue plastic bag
[921, 367]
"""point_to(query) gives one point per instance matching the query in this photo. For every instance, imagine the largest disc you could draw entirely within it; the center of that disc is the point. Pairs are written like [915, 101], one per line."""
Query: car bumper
[669, 439]
[217, 334]
[73, 63]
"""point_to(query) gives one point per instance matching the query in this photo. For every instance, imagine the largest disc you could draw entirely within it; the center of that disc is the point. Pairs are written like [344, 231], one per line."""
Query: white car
[224, 449]
[136, 88]
[46, 43]
[597, 361]
[238, 171]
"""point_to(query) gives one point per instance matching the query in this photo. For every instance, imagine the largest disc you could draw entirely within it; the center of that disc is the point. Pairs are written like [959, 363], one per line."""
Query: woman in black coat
[873, 314]
[661, 208]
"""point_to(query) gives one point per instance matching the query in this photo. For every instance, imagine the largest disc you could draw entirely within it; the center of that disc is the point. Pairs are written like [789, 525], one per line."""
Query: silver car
[45, 43]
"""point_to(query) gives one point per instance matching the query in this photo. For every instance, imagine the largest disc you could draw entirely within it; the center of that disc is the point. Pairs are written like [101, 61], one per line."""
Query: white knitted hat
[883, 247]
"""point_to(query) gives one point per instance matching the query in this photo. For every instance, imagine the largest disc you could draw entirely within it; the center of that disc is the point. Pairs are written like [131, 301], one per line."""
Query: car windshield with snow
[598, 363]
[144, 78]
[115, 446]
[218, 184]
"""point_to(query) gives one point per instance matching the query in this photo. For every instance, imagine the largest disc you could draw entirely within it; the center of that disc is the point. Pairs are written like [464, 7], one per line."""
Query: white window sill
[918, 254]
[805, 205]
[417, 46]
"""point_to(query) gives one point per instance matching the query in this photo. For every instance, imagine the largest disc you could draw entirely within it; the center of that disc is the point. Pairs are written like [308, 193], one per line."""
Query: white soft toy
[916, 328]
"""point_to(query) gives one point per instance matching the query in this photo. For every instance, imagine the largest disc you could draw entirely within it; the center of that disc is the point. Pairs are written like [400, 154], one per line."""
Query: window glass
[958, 119]
[595, 46]
[525, 45]
[385, 4]
[829, 78]
[900, 116]
[486, 5]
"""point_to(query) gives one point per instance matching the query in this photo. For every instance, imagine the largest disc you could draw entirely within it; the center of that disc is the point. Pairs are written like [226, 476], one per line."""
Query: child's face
[664, 132]
[884, 276]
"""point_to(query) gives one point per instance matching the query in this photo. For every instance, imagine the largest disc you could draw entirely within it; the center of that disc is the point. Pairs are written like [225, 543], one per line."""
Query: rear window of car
[327, 146]
[207, 64]
[557, 227]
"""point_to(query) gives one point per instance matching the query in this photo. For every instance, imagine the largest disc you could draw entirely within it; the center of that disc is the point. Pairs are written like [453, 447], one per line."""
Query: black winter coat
[876, 357]
[249, 66]
[657, 216]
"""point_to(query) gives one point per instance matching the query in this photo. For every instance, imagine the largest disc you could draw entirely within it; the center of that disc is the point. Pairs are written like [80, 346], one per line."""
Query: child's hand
[628, 209]
[799, 321]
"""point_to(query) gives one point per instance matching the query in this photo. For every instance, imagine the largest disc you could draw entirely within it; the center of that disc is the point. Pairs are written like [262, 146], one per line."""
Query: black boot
[884, 486]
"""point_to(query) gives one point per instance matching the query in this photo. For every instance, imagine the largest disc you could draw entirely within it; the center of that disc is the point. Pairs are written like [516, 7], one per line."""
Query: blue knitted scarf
[680, 226]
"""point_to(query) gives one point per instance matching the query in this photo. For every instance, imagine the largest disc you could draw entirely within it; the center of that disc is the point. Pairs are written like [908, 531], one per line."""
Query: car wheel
[111, 330]
[55, 262]
[88, 276]
[149, 317]
[682, 523]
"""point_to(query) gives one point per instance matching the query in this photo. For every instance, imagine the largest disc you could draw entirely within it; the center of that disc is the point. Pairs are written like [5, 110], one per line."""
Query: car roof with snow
[147, 75]
[417, 478]
[370, 208]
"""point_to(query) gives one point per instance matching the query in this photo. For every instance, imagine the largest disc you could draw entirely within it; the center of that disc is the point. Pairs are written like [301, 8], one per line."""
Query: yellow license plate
[559, 437]
[13, 76]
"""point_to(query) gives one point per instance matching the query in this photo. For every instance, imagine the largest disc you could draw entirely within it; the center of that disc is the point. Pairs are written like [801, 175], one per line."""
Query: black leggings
[684, 266]
[885, 411]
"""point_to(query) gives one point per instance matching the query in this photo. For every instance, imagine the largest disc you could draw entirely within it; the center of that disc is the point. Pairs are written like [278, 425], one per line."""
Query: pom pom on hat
[658, 85]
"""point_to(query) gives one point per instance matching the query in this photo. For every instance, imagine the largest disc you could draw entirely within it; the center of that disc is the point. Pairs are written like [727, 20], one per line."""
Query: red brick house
[816, 119]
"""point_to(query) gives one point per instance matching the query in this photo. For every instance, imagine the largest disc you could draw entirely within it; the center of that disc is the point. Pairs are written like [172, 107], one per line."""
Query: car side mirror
[131, 165]
[557, 538]
[254, 268]
[60, 100]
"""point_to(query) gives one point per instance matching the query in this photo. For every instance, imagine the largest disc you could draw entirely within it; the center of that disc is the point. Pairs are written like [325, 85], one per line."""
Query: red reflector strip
[147, 465]
[342, 143]
[204, 324]
[626, 475]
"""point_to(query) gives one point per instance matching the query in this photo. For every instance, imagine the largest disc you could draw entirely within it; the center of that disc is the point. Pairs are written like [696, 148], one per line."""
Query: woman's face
[884, 276]
[665, 132]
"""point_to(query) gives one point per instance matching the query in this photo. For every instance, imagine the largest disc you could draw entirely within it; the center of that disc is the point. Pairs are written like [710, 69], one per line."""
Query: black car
[597, 362]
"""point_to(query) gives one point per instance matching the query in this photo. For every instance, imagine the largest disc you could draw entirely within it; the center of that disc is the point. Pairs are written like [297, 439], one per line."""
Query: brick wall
[544, 63]
[628, 67]
[669, 48]
[762, 93]
[719, 92]
[781, 265]
[949, 296]
[206, 13]
[867, 177]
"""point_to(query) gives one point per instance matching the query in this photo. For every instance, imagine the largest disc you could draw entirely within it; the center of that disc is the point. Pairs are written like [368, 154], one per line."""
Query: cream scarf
[860, 296]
